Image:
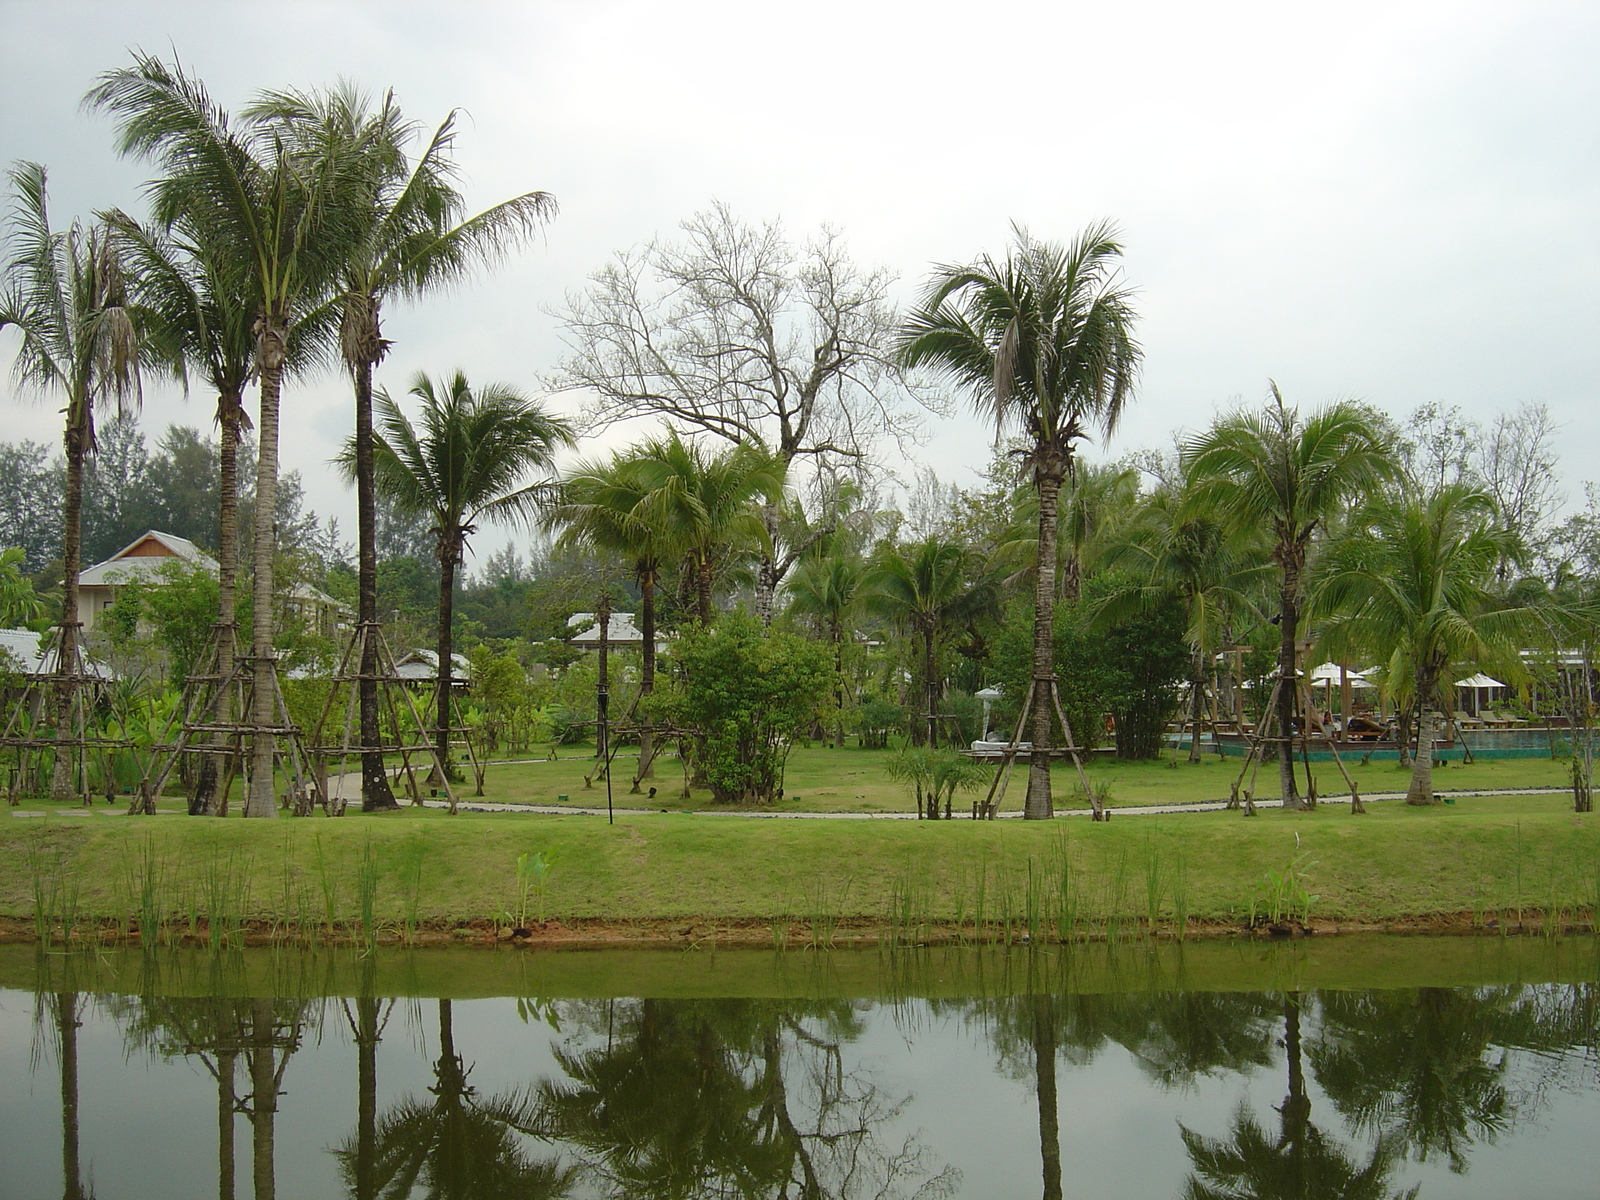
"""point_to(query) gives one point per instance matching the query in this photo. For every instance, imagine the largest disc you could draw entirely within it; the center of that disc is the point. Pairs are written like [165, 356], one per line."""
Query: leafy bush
[746, 692]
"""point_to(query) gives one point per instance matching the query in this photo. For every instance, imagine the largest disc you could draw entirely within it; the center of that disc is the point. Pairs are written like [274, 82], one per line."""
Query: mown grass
[369, 875]
[855, 780]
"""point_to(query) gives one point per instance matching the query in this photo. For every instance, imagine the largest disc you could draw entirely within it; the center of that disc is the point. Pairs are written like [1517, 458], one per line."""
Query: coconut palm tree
[1414, 583]
[1301, 1161]
[454, 1145]
[278, 216]
[709, 500]
[1098, 501]
[1276, 472]
[204, 309]
[1211, 571]
[1042, 341]
[64, 291]
[466, 461]
[408, 235]
[929, 589]
[606, 505]
[832, 590]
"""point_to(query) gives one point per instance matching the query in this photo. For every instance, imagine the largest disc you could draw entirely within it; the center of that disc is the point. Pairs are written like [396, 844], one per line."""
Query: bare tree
[1516, 462]
[735, 331]
[1436, 446]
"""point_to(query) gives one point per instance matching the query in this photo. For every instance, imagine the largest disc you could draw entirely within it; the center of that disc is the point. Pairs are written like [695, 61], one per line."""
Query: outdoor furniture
[1365, 729]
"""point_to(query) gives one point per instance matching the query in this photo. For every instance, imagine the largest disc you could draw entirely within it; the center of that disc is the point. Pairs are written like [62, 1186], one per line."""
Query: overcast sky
[1394, 202]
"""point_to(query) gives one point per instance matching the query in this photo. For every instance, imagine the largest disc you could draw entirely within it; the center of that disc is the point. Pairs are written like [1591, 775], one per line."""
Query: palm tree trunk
[1044, 1067]
[376, 794]
[207, 797]
[1197, 705]
[1296, 1110]
[930, 684]
[66, 1004]
[1421, 789]
[647, 676]
[263, 1099]
[1039, 805]
[271, 341]
[1289, 621]
[449, 556]
[836, 628]
[79, 437]
[367, 1097]
[226, 1102]
[702, 584]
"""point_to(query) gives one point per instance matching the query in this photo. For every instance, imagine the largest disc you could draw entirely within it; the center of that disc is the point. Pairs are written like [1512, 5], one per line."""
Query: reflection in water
[64, 1011]
[771, 1098]
[219, 1033]
[457, 1146]
[745, 1098]
[1301, 1163]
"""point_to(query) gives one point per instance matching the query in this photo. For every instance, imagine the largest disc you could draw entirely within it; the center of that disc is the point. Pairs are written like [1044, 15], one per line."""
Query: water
[1462, 1067]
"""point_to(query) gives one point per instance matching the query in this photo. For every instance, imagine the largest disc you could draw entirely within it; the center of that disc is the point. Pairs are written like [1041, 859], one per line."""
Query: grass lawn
[854, 780]
[1501, 853]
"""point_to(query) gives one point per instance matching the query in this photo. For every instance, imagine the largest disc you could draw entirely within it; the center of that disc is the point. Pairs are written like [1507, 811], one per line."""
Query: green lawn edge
[1481, 855]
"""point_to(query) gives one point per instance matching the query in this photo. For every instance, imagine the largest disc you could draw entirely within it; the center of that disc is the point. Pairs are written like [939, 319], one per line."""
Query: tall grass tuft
[411, 886]
[328, 880]
[1154, 885]
[225, 892]
[367, 893]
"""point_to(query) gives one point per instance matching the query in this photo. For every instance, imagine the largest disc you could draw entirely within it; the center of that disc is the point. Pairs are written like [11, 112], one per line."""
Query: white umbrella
[1328, 673]
[1480, 680]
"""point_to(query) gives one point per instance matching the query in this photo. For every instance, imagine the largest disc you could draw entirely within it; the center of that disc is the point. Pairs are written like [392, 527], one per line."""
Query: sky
[1394, 202]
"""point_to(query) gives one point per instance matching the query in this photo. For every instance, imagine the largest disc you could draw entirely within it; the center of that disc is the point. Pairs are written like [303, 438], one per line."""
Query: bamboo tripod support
[226, 738]
[28, 730]
[1252, 762]
[990, 805]
[389, 680]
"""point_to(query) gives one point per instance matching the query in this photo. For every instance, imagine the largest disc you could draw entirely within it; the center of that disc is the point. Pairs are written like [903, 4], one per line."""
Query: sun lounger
[1467, 721]
[1494, 721]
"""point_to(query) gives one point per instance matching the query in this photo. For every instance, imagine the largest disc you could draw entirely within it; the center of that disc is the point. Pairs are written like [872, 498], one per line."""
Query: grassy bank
[1516, 859]
[854, 780]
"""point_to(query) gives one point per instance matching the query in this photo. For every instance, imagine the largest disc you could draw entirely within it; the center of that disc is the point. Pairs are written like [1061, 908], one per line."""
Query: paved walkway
[337, 784]
[488, 806]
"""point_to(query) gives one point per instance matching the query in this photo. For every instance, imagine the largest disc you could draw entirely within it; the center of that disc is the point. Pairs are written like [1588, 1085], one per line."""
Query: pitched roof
[29, 654]
[620, 630]
[126, 565]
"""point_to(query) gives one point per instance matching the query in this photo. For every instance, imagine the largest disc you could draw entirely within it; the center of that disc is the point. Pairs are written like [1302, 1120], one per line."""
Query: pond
[1350, 1066]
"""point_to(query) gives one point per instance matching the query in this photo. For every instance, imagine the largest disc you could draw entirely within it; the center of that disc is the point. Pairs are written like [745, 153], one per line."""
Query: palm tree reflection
[745, 1098]
[457, 1146]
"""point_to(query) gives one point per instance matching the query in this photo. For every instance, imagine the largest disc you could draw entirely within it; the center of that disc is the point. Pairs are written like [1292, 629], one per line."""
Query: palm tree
[466, 462]
[1207, 567]
[928, 589]
[708, 500]
[606, 505]
[277, 216]
[1100, 498]
[1043, 341]
[1415, 584]
[64, 291]
[1300, 1162]
[408, 235]
[205, 312]
[455, 1145]
[1273, 470]
[832, 590]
